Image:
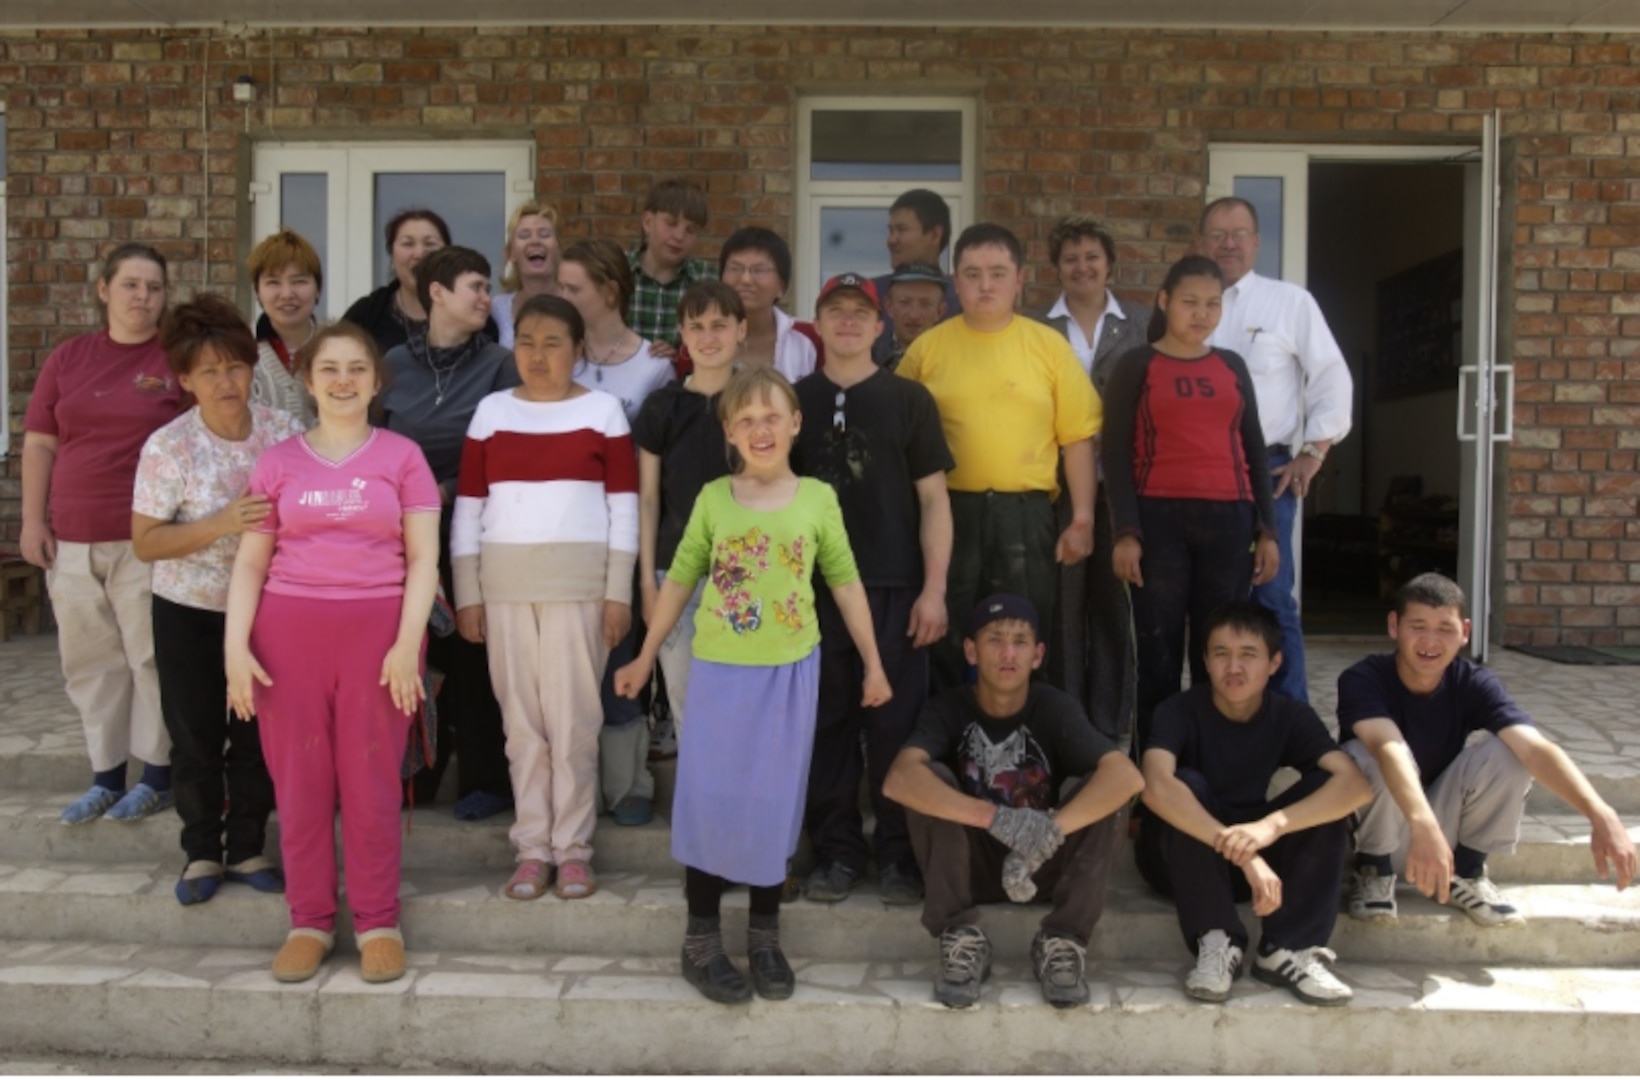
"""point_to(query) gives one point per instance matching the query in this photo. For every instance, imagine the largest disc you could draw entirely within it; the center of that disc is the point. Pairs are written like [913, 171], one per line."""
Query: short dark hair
[547, 306]
[931, 210]
[679, 198]
[443, 267]
[206, 321]
[767, 241]
[988, 234]
[1080, 227]
[1431, 590]
[704, 296]
[419, 213]
[1225, 203]
[1187, 267]
[1244, 617]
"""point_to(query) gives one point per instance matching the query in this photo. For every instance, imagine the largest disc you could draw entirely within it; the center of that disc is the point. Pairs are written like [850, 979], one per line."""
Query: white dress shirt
[1086, 350]
[1305, 392]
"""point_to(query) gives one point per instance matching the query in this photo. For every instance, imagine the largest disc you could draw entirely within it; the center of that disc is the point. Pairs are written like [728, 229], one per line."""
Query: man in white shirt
[1304, 394]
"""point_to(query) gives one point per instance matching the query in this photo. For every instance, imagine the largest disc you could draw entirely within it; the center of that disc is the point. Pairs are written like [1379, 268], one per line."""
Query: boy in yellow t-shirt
[1012, 399]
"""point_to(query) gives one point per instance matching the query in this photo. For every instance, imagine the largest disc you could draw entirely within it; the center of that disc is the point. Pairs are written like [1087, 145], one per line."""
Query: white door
[340, 196]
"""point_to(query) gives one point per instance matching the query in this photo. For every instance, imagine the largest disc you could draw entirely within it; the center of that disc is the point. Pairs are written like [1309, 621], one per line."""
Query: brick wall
[108, 142]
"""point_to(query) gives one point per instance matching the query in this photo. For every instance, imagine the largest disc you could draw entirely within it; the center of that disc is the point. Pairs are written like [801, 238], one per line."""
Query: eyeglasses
[735, 271]
[839, 422]
[1240, 236]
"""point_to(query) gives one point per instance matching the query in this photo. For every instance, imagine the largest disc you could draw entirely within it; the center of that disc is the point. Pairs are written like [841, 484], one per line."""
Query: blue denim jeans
[1277, 595]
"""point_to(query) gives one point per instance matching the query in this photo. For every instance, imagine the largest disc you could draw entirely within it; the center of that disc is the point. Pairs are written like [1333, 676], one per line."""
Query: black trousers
[1092, 658]
[1206, 886]
[1002, 542]
[962, 867]
[1197, 558]
[850, 739]
[469, 717]
[223, 790]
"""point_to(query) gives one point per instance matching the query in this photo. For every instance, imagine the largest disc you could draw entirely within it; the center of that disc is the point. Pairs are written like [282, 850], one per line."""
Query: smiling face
[545, 350]
[1239, 666]
[288, 296]
[1005, 652]
[533, 249]
[134, 297]
[669, 238]
[342, 379]
[222, 385]
[464, 307]
[848, 323]
[1427, 640]
[753, 274]
[1084, 269]
[909, 242]
[763, 430]
[1230, 238]
[1192, 309]
[713, 338]
[414, 241]
[590, 299]
[988, 283]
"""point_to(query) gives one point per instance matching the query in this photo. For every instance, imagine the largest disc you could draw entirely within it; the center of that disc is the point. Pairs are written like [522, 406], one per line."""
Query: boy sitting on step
[1439, 804]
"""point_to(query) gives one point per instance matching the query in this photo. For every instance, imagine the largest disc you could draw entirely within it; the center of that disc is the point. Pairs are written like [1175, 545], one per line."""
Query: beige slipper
[381, 955]
[302, 954]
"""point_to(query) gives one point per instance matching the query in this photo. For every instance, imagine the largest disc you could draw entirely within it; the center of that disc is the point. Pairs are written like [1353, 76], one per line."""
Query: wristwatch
[1312, 450]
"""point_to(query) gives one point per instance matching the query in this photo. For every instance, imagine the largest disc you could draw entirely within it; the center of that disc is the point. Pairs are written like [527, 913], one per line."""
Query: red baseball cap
[857, 282]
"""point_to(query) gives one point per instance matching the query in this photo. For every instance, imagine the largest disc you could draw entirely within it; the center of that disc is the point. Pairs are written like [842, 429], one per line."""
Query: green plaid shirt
[654, 312]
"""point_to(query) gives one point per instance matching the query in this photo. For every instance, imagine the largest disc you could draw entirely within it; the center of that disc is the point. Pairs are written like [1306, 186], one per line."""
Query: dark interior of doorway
[1385, 264]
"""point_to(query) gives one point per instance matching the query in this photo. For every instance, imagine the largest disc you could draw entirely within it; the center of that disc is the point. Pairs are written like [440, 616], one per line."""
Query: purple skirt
[743, 767]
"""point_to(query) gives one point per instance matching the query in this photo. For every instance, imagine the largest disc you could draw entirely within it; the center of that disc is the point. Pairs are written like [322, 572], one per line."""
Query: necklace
[441, 362]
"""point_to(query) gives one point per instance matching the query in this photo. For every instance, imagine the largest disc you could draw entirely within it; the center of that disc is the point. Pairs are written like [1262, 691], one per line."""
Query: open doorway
[1386, 263]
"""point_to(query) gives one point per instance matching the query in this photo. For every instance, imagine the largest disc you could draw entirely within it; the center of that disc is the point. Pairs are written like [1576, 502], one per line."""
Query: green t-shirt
[758, 608]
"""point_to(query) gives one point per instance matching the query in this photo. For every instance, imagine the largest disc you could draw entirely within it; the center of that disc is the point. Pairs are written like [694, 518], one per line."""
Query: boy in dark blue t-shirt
[1439, 806]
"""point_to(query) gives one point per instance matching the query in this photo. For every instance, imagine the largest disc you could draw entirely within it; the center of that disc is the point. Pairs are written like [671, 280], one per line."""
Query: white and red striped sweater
[547, 502]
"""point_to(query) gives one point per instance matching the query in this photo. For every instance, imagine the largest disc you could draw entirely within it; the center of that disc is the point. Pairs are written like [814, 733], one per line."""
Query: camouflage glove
[1016, 878]
[1032, 833]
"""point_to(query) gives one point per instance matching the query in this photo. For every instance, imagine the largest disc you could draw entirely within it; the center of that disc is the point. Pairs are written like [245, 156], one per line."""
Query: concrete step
[642, 915]
[1554, 848]
[576, 1013]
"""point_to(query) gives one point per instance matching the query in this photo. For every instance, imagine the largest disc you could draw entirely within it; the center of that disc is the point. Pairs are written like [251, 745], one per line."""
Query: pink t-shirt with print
[338, 526]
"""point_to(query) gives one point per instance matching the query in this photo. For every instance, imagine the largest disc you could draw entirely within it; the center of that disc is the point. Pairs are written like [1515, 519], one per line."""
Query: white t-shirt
[631, 380]
[501, 310]
[187, 473]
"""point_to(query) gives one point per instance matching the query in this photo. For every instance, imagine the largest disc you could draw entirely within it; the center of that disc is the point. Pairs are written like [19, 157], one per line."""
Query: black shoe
[718, 979]
[1060, 965]
[900, 883]
[965, 962]
[772, 976]
[830, 882]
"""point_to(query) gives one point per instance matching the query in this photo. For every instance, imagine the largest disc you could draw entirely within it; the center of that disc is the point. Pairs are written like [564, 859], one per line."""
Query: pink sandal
[575, 880]
[529, 881]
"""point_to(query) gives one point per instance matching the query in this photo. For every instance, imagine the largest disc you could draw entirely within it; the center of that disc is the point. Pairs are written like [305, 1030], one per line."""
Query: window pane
[1265, 192]
[870, 144]
[473, 204]
[304, 207]
[852, 238]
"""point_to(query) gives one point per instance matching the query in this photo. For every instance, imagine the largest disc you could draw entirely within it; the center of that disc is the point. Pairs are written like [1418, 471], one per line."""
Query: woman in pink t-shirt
[98, 398]
[327, 613]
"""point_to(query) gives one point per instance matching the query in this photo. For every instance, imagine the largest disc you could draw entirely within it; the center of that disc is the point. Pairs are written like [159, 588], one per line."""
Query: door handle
[1504, 403]
[1464, 373]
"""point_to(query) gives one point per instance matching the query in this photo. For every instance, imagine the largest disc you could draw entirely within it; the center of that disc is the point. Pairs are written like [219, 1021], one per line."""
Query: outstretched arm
[1429, 857]
[1614, 854]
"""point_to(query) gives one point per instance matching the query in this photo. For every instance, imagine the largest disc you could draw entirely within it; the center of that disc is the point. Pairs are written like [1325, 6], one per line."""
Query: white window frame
[352, 166]
[814, 196]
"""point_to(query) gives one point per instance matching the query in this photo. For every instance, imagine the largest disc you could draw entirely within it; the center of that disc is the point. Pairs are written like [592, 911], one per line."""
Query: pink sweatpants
[329, 730]
[547, 663]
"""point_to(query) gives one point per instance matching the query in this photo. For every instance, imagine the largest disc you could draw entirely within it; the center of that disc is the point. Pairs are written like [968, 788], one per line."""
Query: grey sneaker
[1372, 895]
[1218, 962]
[1305, 973]
[1478, 898]
[1061, 967]
[965, 962]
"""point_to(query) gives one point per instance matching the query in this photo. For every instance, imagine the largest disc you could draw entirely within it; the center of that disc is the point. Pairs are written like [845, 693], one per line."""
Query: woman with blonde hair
[529, 263]
[287, 276]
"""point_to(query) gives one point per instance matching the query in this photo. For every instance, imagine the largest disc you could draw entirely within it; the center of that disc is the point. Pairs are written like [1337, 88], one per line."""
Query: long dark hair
[1189, 266]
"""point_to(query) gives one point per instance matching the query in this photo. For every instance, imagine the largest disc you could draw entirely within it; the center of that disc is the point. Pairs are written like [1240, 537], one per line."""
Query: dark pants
[1002, 542]
[215, 758]
[1093, 657]
[1206, 886]
[1197, 558]
[469, 717]
[962, 867]
[844, 727]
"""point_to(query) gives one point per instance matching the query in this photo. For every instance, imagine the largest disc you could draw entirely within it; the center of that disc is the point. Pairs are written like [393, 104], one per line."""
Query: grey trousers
[1478, 802]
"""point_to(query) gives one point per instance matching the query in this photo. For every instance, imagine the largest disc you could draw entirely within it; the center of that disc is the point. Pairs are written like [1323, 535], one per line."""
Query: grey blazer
[1117, 337]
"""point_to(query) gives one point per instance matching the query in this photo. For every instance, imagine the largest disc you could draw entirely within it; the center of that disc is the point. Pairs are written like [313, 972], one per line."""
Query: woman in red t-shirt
[98, 398]
[1189, 487]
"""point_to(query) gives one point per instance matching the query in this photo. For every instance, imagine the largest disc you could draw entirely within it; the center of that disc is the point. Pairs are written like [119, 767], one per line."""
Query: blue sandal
[259, 873]
[199, 881]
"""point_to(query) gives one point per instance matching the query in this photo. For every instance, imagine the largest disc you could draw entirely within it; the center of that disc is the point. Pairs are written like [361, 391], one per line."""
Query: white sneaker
[1478, 898]
[1372, 895]
[1305, 973]
[1218, 962]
